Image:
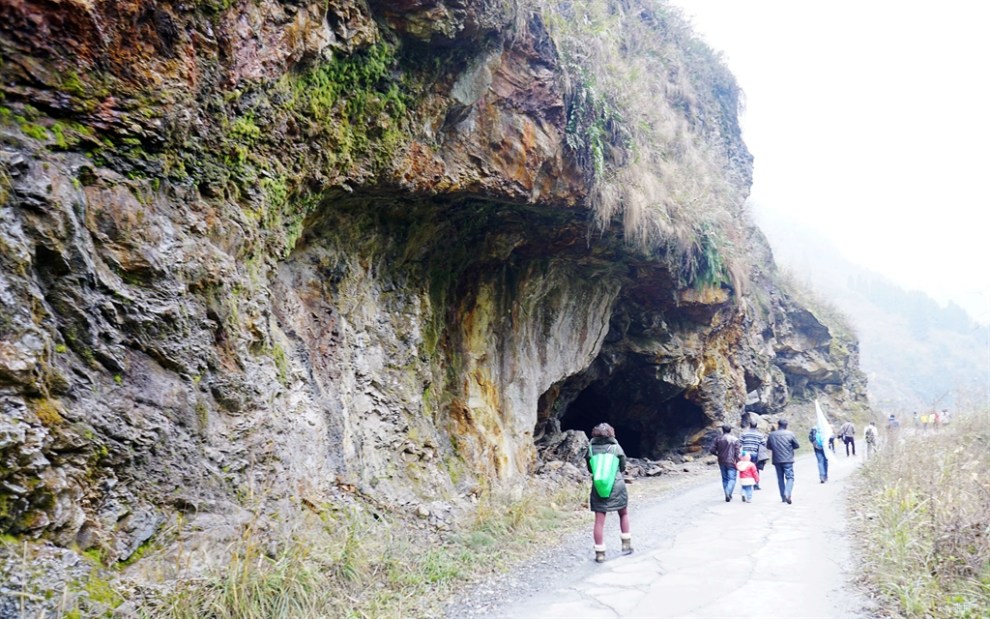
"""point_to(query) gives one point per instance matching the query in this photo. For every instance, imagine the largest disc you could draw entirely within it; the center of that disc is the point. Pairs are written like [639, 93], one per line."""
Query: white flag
[824, 429]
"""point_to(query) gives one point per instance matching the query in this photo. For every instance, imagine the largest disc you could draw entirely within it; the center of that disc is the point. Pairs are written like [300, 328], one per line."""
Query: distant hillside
[916, 353]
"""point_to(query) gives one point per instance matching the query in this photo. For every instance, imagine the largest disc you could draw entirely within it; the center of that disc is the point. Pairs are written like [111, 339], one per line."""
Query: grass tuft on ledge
[652, 117]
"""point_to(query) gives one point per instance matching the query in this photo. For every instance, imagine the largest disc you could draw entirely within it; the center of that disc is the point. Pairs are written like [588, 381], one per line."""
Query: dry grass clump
[652, 117]
[923, 521]
[356, 562]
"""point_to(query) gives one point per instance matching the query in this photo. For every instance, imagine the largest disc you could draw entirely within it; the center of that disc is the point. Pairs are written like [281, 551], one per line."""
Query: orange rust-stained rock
[420, 169]
[705, 295]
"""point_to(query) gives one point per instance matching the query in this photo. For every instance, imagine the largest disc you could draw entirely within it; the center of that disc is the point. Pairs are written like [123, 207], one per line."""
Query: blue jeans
[747, 492]
[785, 479]
[822, 464]
[728, 478]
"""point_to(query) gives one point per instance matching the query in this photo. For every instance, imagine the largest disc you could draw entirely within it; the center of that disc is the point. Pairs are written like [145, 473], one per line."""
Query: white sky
[870, 121]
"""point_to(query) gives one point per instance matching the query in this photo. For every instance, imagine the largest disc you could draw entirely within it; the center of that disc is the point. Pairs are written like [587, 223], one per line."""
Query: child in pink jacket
[749, 476]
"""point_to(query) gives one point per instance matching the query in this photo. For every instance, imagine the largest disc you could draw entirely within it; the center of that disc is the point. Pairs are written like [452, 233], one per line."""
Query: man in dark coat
[782, 443]
[727, 448]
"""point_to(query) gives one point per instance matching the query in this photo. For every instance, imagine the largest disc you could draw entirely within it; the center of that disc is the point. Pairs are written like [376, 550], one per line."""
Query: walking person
[754, 442]
[749, 476]
[727, 448]
[893, 430]
[871, 434]
[782, 443]
[815, 436]
[848, 434]
[617, 500]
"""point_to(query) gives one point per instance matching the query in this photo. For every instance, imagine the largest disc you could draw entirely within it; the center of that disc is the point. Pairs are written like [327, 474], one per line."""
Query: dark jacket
[619, 498]
[782, 443]
[727, 448]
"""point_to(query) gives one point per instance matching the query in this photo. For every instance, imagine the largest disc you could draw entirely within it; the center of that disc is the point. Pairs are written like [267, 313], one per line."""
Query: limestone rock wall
[262, 251]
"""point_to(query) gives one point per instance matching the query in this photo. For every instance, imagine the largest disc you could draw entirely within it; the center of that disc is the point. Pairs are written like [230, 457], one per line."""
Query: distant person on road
[916, 419]
[727, 448]
[893, 430]
[819, 446]
[754, 442]
[749, 476]
[848, 434]
[782, 443]
[871, 435]
[603, 441]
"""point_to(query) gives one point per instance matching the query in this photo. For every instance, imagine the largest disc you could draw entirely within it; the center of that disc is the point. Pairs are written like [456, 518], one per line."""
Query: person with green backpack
[607, 461]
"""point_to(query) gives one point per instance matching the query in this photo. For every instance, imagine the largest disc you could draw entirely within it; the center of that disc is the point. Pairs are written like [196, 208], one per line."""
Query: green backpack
[604, 467]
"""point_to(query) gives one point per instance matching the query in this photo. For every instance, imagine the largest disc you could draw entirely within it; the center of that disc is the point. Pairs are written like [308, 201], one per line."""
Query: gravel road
[573, 558]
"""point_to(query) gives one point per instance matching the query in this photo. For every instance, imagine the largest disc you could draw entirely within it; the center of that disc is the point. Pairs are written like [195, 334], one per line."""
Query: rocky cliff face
[285, 247]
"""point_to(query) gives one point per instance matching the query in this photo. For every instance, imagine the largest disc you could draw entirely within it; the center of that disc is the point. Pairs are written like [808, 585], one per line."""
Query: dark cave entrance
[592, 407]
[648, 422]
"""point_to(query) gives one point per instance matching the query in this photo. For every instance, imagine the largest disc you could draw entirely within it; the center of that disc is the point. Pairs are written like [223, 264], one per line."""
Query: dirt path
[698, 556]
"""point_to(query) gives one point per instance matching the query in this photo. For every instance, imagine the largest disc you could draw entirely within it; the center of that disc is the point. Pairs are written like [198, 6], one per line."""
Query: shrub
[924, 521]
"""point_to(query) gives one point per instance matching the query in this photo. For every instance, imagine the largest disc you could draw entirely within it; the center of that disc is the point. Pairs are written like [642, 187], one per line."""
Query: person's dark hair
[752, 425]
[782, 424]
[603, 429]
[726, 428]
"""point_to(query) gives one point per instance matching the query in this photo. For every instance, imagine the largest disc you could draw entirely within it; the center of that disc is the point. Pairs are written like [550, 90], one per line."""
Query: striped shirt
[751, 441]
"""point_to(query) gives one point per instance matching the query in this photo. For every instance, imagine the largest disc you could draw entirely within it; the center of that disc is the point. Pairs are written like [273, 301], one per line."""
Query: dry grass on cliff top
[652, 117]
[922, 519]
[360, 563]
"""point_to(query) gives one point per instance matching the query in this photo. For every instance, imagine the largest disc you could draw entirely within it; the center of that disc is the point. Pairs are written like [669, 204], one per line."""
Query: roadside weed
[358, 563]
[924, 521]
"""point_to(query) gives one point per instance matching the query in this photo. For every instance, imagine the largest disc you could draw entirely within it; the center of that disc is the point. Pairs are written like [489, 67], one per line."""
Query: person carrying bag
[606, 462]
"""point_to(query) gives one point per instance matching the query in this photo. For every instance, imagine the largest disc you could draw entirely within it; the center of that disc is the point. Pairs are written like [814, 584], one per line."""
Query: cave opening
[649, 421]
[593, 406]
